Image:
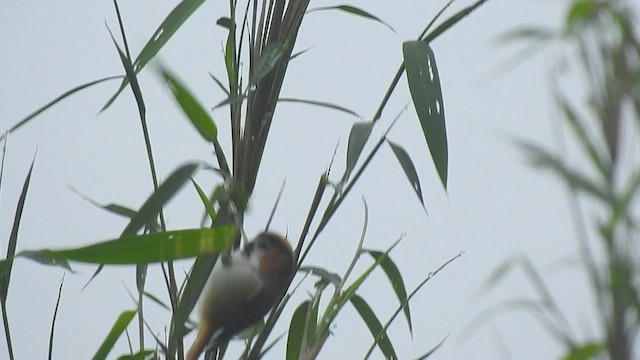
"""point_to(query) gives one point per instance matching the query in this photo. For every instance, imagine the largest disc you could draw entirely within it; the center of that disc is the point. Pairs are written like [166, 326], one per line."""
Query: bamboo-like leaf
[452, 20]
[433, 350]
[141, 355]
[156, 300]
[153, 205]
[354, 11]
[118, 328]
[296, 331]
[424, 85]
[208, 206]
[191, 107]
[375, 327]
[358, 137]
[5, 270]
[143, 249]
[409, 169]
[132, 78]
[160, 37]
[323, 104]
[225, 22]
[395, 278]
[55, 101]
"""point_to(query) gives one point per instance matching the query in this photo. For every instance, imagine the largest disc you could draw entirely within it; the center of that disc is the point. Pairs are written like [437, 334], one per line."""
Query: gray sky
[496, 206]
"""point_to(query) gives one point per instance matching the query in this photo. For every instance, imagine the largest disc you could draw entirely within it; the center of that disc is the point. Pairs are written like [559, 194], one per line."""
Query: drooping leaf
[160, 37]
[432, 351]
[142, 249]
[354, 11]
[424, 85]
[323, 104]
[375, 327]
[358, 137]
[55, 101]
[191, 107]
[395, 278]
[409, 169]
[118, 328]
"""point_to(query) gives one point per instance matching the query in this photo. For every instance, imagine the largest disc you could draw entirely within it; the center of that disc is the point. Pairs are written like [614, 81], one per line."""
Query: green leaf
[408, 168]
[354, 11]
[225, 22]
[358, 137]
[143, 249]
[268, 60]
[395, 278]
[323, 104]
[452, 20]
[160, 37]
[433, 350]
[55, 101]
[296, 331]
[142, 355]
[191, 107]
[580, 13]
[375, 327]
[153, 205]
[586, 351]
[424, 85]
[118, 328]
[5, 270]
[53, 321]
[205, 201]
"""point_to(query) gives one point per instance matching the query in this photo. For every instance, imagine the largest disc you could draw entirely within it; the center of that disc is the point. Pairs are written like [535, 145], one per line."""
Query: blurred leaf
[395, 278]
[358, 137]
[498, 274]
[165, 31]
[375, 327]
[191, 107]
[55, 101]
[580, 13]
[544, 159]
[143, 249]
[5, 270]
[156, 300]
[296, 331]
[354, 11]
[149, 211]
[408, 168]
[268, 60]
[430, 352]
[321, 104]
[118, 328]
[205, 201]
[424, 84]
[324, 274]
[526, 34]
[586, 351]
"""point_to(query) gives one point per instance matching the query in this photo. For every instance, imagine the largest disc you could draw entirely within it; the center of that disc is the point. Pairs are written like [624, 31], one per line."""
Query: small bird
[241, 289]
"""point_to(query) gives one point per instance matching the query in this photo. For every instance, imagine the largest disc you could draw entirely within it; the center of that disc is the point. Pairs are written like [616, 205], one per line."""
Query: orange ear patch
[270, 260]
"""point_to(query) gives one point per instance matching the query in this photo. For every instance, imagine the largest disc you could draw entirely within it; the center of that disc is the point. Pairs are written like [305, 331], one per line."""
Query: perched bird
[241, 289]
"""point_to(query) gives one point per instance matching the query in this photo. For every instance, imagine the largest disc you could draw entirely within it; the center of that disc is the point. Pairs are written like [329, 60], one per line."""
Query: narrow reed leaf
[375, 327]
[354, 11]
[433, 350]
[149, 211]
[424, 85]
[191, 107]
[409, 169]
[118, 328]
[5, 269]
[395, 278]
[323, 104]
[55, 101]
[160, 37]
[295, 339]
[268, 60]
[53, 321]
[453, 20]
[208, 206]
[142, 249]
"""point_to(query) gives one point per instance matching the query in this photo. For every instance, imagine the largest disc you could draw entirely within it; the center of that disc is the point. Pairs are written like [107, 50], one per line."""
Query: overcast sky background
[496, 206]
